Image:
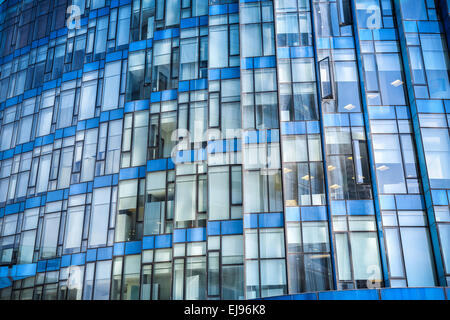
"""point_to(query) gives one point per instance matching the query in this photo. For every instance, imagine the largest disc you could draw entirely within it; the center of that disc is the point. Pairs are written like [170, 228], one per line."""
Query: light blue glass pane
[444, 233]
[418, 257]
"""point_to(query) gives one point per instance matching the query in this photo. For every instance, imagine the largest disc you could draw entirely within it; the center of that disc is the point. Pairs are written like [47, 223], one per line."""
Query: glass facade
[223, 149]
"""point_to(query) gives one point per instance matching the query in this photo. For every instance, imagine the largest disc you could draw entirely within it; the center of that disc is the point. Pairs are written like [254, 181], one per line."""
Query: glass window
[370, 70]
[365, 256]
[436, 143]
[219, 202]
[10, 113]
[101, 34]
[271, 243]
[344, 12]
[232, 282]
[343, 257]
[7, 132]
[266, 110]
[218, 47]
[408, 156]
[88, 281]
[305, 29]
[265, 80]
[74, 227]
[111, 87]
[294, 148]
[309, 272]
[347, 86]
[162, 281]
[4, 183]
[436, 65]
[113, 147]
[198, 121]
[43, 173]
[231, 117]
[89, 155]
[49, 235]
[417, 66]
[45, 121]
[199, 7]
[232, 249]
[255, 192]
[24, 132]
[161, 64]
[268, 39]
[418, 257]
[188, 58]
[140, 137]
[338, 141]
[116, 278]
[168, 126]
[273, 277]
[287, 30]
[135, 75]
[250, 13]
[131, 278]
[390, 79]
[185, 195]
[414, 9]
[195, 278]
[9, 225]
[26, 248]
[302, 70]
[444, 234]
[252, 279]
[394, 252]
[325, 79]
[172, 12]
[251, 244]
[230, 90]
[30, 219]
[98, 4]
[315, 237]
[251, 40]
[286, 5]
[99, 216]
[123, 29]
[66, 108]
[236, 185]
[154, 219]
[148, 19]
[126, 215]
[87, 100]
[389, 164]
[102, 280]
[146, 282]
[65, 168]
[234, 41]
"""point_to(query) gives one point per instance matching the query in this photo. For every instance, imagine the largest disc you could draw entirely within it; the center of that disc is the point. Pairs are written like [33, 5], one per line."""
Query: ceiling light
[397, 83]
[383, 168]
[318, 256]
[335, 186]
[349, 107]
[331, 168]
[291, 203]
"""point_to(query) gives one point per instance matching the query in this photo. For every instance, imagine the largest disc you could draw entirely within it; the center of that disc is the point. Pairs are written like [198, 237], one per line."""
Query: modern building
[186, 149]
